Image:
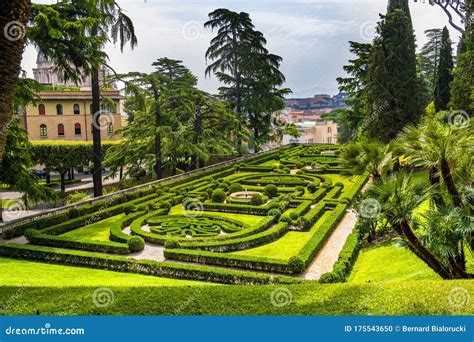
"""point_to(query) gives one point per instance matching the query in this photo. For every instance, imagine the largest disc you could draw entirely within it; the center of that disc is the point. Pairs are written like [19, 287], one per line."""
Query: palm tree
[368, 156]
[398, 198]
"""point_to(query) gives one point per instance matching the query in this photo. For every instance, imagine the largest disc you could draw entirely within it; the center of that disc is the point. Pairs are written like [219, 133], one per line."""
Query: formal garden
[257, 221]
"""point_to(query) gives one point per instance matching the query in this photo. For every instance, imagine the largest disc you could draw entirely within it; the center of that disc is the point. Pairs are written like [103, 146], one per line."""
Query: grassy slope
[98, 231]
[27, 273]
[401, 264]
[415, 298]
[287, 246]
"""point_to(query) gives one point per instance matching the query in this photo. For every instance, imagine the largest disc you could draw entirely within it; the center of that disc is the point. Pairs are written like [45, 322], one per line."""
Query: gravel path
[325, 259]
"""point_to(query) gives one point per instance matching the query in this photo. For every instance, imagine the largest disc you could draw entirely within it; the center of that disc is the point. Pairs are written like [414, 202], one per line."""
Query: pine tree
[393, 90]
[428, 57]
[444, 74]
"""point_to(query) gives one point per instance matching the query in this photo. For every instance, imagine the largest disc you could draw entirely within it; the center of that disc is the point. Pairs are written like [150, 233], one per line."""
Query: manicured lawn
[347, 181]
[397, 298]
[98, 231]
[274, 163]
[28, 273]
[389, 262]
[249, 220]
[287, 246]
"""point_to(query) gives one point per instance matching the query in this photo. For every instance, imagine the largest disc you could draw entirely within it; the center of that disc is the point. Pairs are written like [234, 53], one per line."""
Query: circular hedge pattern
[183, 226]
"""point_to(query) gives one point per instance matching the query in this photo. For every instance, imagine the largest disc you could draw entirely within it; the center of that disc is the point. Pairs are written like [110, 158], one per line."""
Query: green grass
[98, 231]
[287, 246]
[389, 262]
[403, 298]
[348, 182]
[28, 273]
[273, 163]
[6, 203]
[249, 220]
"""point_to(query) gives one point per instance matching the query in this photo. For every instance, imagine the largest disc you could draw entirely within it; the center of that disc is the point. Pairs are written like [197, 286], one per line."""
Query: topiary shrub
[299, 190]
[296, 264]
[209, 192]
[339, 184]
[129, 208]
[271, 190]
[256, 199]
[73, 213]
[275, 213]
[312, 187]
[172, 244]
[299, 165]
[235, 187]
[204, 195]
[293, 215]
[136, 244]
[218, 196]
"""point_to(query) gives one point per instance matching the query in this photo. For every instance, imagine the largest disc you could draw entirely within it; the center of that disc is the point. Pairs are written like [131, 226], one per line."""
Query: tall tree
[52, 30]
[428, 57]
[393, 88]
[444, 75]
[355, 86]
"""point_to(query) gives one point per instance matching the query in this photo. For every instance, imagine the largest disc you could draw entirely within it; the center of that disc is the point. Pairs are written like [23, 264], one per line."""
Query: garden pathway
[325, 259]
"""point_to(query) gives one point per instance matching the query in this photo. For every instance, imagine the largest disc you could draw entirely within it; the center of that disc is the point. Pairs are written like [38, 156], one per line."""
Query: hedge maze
[258, 221]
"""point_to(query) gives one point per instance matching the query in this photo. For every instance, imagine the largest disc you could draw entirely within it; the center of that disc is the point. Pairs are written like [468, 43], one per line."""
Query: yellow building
[67, 115]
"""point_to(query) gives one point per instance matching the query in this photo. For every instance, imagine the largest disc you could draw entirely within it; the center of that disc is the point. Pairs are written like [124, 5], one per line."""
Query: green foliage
[172, 244]
[256, 199]
[393, 88]
[296, 264]
[444, 74]
[235, 187]
[271, 190]
[128, 209]
[218, 196]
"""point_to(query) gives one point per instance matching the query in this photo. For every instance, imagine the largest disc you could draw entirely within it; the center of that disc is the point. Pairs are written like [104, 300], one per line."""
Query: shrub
[77, 197]
[73, 213]
[129, 208]
[136, 244]
[256, 199]
[299, 165]
[293, 215]
[209, 192]
[339, 184]
[218, 196]
[312, 187]
[271, 190]
[275, 213]
[204, 195]
[235, 187]
[172, 244]
[296, 264]
[299, 190]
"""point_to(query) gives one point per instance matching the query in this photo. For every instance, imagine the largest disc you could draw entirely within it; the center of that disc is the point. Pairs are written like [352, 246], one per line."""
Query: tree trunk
[158, 166]
[449, 182]
[96, 138]
[63, 182]
[421, 251]
[13, 21]
[48, 177]
[197, 136]
[121, 173]
[72, 173]
[435, 182]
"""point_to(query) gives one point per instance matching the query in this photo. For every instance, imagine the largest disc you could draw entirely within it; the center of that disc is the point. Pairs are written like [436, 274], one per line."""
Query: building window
[310, 141]
[41, 109]
[76, 109]
[59, 109]
[77, 129]
[110, 128]
[43, 130]
[61, 130]
[329, 130]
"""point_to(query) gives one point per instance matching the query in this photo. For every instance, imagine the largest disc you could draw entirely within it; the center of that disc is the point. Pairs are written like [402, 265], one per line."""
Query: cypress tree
[393, 89]
[444, 74]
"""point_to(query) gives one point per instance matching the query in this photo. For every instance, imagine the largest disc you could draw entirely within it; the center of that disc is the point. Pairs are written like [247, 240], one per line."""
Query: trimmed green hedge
[347, 258]
[122, 264]
[37, 238]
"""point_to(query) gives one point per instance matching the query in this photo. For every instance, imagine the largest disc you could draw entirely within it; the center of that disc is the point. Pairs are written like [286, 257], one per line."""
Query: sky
[312, 36]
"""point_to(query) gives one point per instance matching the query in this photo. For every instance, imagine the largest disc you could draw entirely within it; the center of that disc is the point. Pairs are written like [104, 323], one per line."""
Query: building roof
[76, 95]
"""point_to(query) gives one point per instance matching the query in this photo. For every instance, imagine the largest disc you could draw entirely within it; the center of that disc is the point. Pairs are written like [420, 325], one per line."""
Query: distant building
[319, 101]
[64, 111]
[315, 132]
